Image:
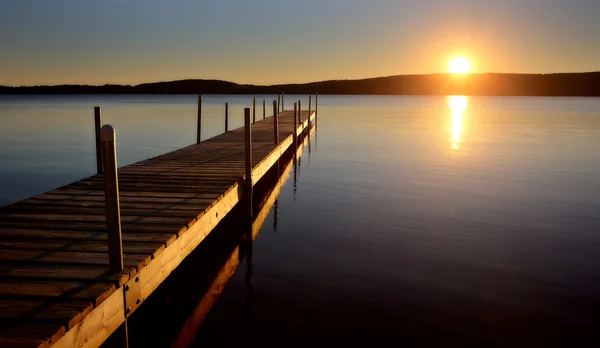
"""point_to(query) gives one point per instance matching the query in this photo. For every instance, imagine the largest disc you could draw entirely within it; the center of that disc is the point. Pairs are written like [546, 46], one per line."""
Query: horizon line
[299, 83]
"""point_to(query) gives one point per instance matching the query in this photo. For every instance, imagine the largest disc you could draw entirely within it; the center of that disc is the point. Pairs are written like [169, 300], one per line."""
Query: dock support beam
[113, 214]
[248, 152]
[275, 123]
[317, 108]
[295, 127]
[309, 110]
[226, 117]
[98, 126]
[111, 197]
[199, 128]
[248, 195]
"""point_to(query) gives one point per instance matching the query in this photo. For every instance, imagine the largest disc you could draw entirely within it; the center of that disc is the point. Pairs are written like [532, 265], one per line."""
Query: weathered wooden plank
[27, 336]
[72, 235]
[38, 204]
[85, 218]
[15, 243]
[138, 227]
[126, 212]
[21, 256]
[55, 291]
[64, 272]
[67, 314]
[72, 194]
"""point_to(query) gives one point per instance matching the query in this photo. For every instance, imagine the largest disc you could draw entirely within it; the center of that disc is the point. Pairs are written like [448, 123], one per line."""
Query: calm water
[445, 220]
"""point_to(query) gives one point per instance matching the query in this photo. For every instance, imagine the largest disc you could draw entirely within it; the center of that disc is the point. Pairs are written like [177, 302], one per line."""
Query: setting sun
[459, 65]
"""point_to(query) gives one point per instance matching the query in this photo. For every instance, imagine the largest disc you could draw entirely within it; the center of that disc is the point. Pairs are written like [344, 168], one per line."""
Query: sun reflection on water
[458, 105]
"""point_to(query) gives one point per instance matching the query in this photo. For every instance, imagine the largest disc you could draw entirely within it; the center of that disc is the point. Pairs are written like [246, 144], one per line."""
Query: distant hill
[563, 84]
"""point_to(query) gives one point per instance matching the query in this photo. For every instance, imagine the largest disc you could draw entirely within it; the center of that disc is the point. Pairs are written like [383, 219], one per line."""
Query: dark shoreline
[491, 84]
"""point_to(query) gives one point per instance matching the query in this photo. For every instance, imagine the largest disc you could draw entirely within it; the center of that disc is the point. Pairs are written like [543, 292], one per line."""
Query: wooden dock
[57, 286]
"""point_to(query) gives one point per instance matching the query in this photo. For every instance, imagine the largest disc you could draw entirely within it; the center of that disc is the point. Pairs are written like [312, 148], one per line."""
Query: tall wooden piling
[254, 110]
[278, 102]
[282, 101]
[111, 197]
[294, 133]
[226, 117]
[98, 126]
[248, 158]
[309, 110]
[299, 111]
[199, 127]
[316, 108]
[264, 109]
[275, 123]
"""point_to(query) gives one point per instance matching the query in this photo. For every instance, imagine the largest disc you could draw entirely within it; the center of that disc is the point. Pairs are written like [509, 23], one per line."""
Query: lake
[444, 220]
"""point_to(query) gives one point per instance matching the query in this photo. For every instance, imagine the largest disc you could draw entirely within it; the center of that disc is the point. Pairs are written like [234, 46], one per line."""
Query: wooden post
[264, 109]
[226, 117]
[254, 110]
[282, 101]
[309, 110]
[317, 107]
[111, 198]
[275, 123]
[299, 112]
[98, 125]
[248, 148]
[278, 102]
[199, 129]
[295, 127]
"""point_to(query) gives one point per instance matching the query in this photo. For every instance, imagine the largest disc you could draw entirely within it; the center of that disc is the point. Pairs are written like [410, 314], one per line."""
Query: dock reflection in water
[174, 314]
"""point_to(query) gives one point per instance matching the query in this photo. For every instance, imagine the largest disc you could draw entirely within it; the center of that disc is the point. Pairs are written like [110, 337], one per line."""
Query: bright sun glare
[459, 65]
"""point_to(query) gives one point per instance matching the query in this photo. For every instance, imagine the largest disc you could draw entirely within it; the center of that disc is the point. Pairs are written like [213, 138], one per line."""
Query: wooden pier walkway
[56, 284]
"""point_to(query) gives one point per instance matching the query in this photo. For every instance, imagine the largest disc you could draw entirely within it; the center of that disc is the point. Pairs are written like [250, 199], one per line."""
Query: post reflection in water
[458, 105]
[248, 243]
[295, 177]
[275, 212]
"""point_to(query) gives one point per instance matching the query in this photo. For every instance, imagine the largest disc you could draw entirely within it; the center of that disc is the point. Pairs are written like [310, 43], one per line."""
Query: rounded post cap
[108, 133]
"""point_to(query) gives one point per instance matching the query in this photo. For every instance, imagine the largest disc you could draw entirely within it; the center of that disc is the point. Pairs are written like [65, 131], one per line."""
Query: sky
[270, 42]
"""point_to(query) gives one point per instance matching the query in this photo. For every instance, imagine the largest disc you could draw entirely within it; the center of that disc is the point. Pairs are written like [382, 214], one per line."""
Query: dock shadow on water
[173, 315]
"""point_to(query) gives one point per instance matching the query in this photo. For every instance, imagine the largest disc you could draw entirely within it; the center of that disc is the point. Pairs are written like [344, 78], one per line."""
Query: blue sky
[268, 41]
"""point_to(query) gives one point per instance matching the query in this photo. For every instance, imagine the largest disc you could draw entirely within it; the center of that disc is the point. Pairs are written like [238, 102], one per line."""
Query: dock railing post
[199, 128]
[299, 111]
[317, 108]
[275, 123]
[309, 110]
[264, 109]
[98, 126]
[111, 198]
[248, 152]
[254, 110]
[282, 101]
[226, 117]
[295, 127]
[278, 102]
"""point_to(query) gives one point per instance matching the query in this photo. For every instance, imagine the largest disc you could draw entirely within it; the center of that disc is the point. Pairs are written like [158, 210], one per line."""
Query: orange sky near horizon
[67, 41]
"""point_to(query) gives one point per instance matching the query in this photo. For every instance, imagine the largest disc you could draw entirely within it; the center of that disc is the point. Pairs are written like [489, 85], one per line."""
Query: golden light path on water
[458, 105]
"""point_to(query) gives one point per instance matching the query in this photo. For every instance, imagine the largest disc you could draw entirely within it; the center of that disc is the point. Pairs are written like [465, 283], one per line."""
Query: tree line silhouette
[561, 84]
